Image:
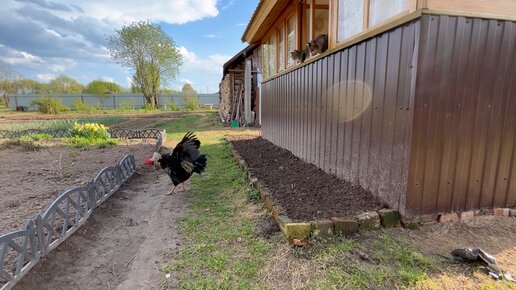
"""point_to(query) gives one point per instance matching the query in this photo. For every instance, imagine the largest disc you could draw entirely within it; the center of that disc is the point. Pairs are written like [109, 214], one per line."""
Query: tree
[135, 89]
[146, 48]
[8, 83]
[188, 91]
[8, 80]
[65, 85]
[100, 88]
[28, 86]
[190, 97]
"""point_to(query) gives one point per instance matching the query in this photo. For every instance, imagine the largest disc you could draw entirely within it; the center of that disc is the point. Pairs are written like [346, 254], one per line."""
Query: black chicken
[183, 161]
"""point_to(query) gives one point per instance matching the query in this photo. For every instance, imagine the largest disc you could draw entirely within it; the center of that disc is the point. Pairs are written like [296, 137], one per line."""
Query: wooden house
[240, 88]
[414, 100]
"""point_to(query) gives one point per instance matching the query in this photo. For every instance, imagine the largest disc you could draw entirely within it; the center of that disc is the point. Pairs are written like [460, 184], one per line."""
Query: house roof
[263, 17]
[240, 56]
[252, 19]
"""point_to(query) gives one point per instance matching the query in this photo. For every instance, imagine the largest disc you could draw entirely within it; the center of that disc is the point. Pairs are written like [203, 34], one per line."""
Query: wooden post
[259, 96]
[247, 95]
[232, 95]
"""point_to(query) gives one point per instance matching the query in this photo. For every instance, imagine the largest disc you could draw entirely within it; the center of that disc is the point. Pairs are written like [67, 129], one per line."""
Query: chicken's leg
[183, 187]
[172, 192]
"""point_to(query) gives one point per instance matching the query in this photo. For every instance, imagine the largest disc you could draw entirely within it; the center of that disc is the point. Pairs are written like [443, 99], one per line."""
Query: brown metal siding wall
[463, 144]
[308, 111]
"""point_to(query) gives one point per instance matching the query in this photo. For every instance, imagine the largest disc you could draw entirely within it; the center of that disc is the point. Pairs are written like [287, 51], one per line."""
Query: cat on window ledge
[300, 55]
[319, 44]
[316, 46]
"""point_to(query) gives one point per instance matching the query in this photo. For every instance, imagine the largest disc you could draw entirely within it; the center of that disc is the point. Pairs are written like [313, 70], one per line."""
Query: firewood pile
[225, 99]
[231, 106]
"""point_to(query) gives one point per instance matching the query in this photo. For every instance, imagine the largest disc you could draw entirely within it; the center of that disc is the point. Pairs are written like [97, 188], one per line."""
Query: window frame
[292, 15]
[411, 7]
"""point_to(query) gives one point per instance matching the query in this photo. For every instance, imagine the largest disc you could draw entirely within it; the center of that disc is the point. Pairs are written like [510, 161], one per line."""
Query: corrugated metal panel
[348, 113]
[463, 143]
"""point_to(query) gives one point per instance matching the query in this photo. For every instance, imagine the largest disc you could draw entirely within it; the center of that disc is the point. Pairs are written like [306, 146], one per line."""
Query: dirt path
[122, 245]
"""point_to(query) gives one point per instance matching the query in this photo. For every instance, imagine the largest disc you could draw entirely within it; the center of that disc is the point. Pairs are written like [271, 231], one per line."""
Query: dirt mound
[304, 191]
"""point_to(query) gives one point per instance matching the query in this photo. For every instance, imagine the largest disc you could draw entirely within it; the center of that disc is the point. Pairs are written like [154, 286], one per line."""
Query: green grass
[389, 263]
[220, 249]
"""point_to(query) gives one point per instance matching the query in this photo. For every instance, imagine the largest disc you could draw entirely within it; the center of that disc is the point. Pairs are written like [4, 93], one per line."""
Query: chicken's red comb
[149, 161]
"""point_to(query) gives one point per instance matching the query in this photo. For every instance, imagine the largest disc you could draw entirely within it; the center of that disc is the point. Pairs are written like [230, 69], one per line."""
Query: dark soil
[31, 180]
[302, 190]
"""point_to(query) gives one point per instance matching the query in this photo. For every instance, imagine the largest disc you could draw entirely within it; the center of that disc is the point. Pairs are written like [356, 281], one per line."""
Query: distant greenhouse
[110, 101]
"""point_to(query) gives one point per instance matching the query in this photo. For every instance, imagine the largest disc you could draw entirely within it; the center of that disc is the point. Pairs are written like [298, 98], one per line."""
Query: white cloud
[211, 36]
[21, 57]
[193, 63]
[228, 4]
[53, 36]
[107, 79]
[241, 24]
[45, 77]
[173, 12]
[129, 81]
[187, 81]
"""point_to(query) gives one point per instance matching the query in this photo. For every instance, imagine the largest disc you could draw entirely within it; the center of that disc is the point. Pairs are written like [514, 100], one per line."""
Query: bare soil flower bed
[304, 191]
[31, 180]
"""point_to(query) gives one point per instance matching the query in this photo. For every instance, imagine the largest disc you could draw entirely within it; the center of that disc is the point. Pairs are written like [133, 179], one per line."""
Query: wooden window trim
[412, 6]
[292, 15]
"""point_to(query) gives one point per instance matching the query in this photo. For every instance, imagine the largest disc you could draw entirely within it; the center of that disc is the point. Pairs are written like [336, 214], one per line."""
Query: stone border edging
[298, 232]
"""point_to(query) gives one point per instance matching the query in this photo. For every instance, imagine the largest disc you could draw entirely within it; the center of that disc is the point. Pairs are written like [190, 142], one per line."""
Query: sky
[42, 39]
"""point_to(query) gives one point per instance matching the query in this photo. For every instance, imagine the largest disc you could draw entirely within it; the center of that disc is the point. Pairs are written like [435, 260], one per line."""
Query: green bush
[41, 137]
[28, 143]
[191, 104]
[81, 107]
[90, 134]
[82, 142]
[125, 106]
[172, 106]
[48, 105]
[147, 107]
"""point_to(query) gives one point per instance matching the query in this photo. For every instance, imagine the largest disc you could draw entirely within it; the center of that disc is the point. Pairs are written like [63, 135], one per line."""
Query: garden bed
[31, 180]
[303, 191]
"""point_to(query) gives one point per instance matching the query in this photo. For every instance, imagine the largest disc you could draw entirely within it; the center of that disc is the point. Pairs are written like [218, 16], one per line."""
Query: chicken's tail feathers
[191, 136]
[200, 164]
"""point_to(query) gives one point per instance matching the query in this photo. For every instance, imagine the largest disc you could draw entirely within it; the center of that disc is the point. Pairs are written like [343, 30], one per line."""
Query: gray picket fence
[110, 101]
[20, 250]
[64, 133]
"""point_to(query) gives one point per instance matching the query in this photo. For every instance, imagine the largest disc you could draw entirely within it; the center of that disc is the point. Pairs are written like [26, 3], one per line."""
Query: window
[272, 56]
[269, 58]
[321, 21]
[291, 39]
[381, 10]
[350, 18]
[281, 48]
[265, 60]
[315, 20]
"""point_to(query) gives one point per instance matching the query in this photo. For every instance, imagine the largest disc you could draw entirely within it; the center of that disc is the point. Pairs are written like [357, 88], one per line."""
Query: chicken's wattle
[149, 161]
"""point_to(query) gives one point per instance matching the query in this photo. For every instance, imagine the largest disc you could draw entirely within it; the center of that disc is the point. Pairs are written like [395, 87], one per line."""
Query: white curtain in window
[350, 18]
[281, 48]
[381, 10]
[272, 57]
[265, 60]
[291, 38]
